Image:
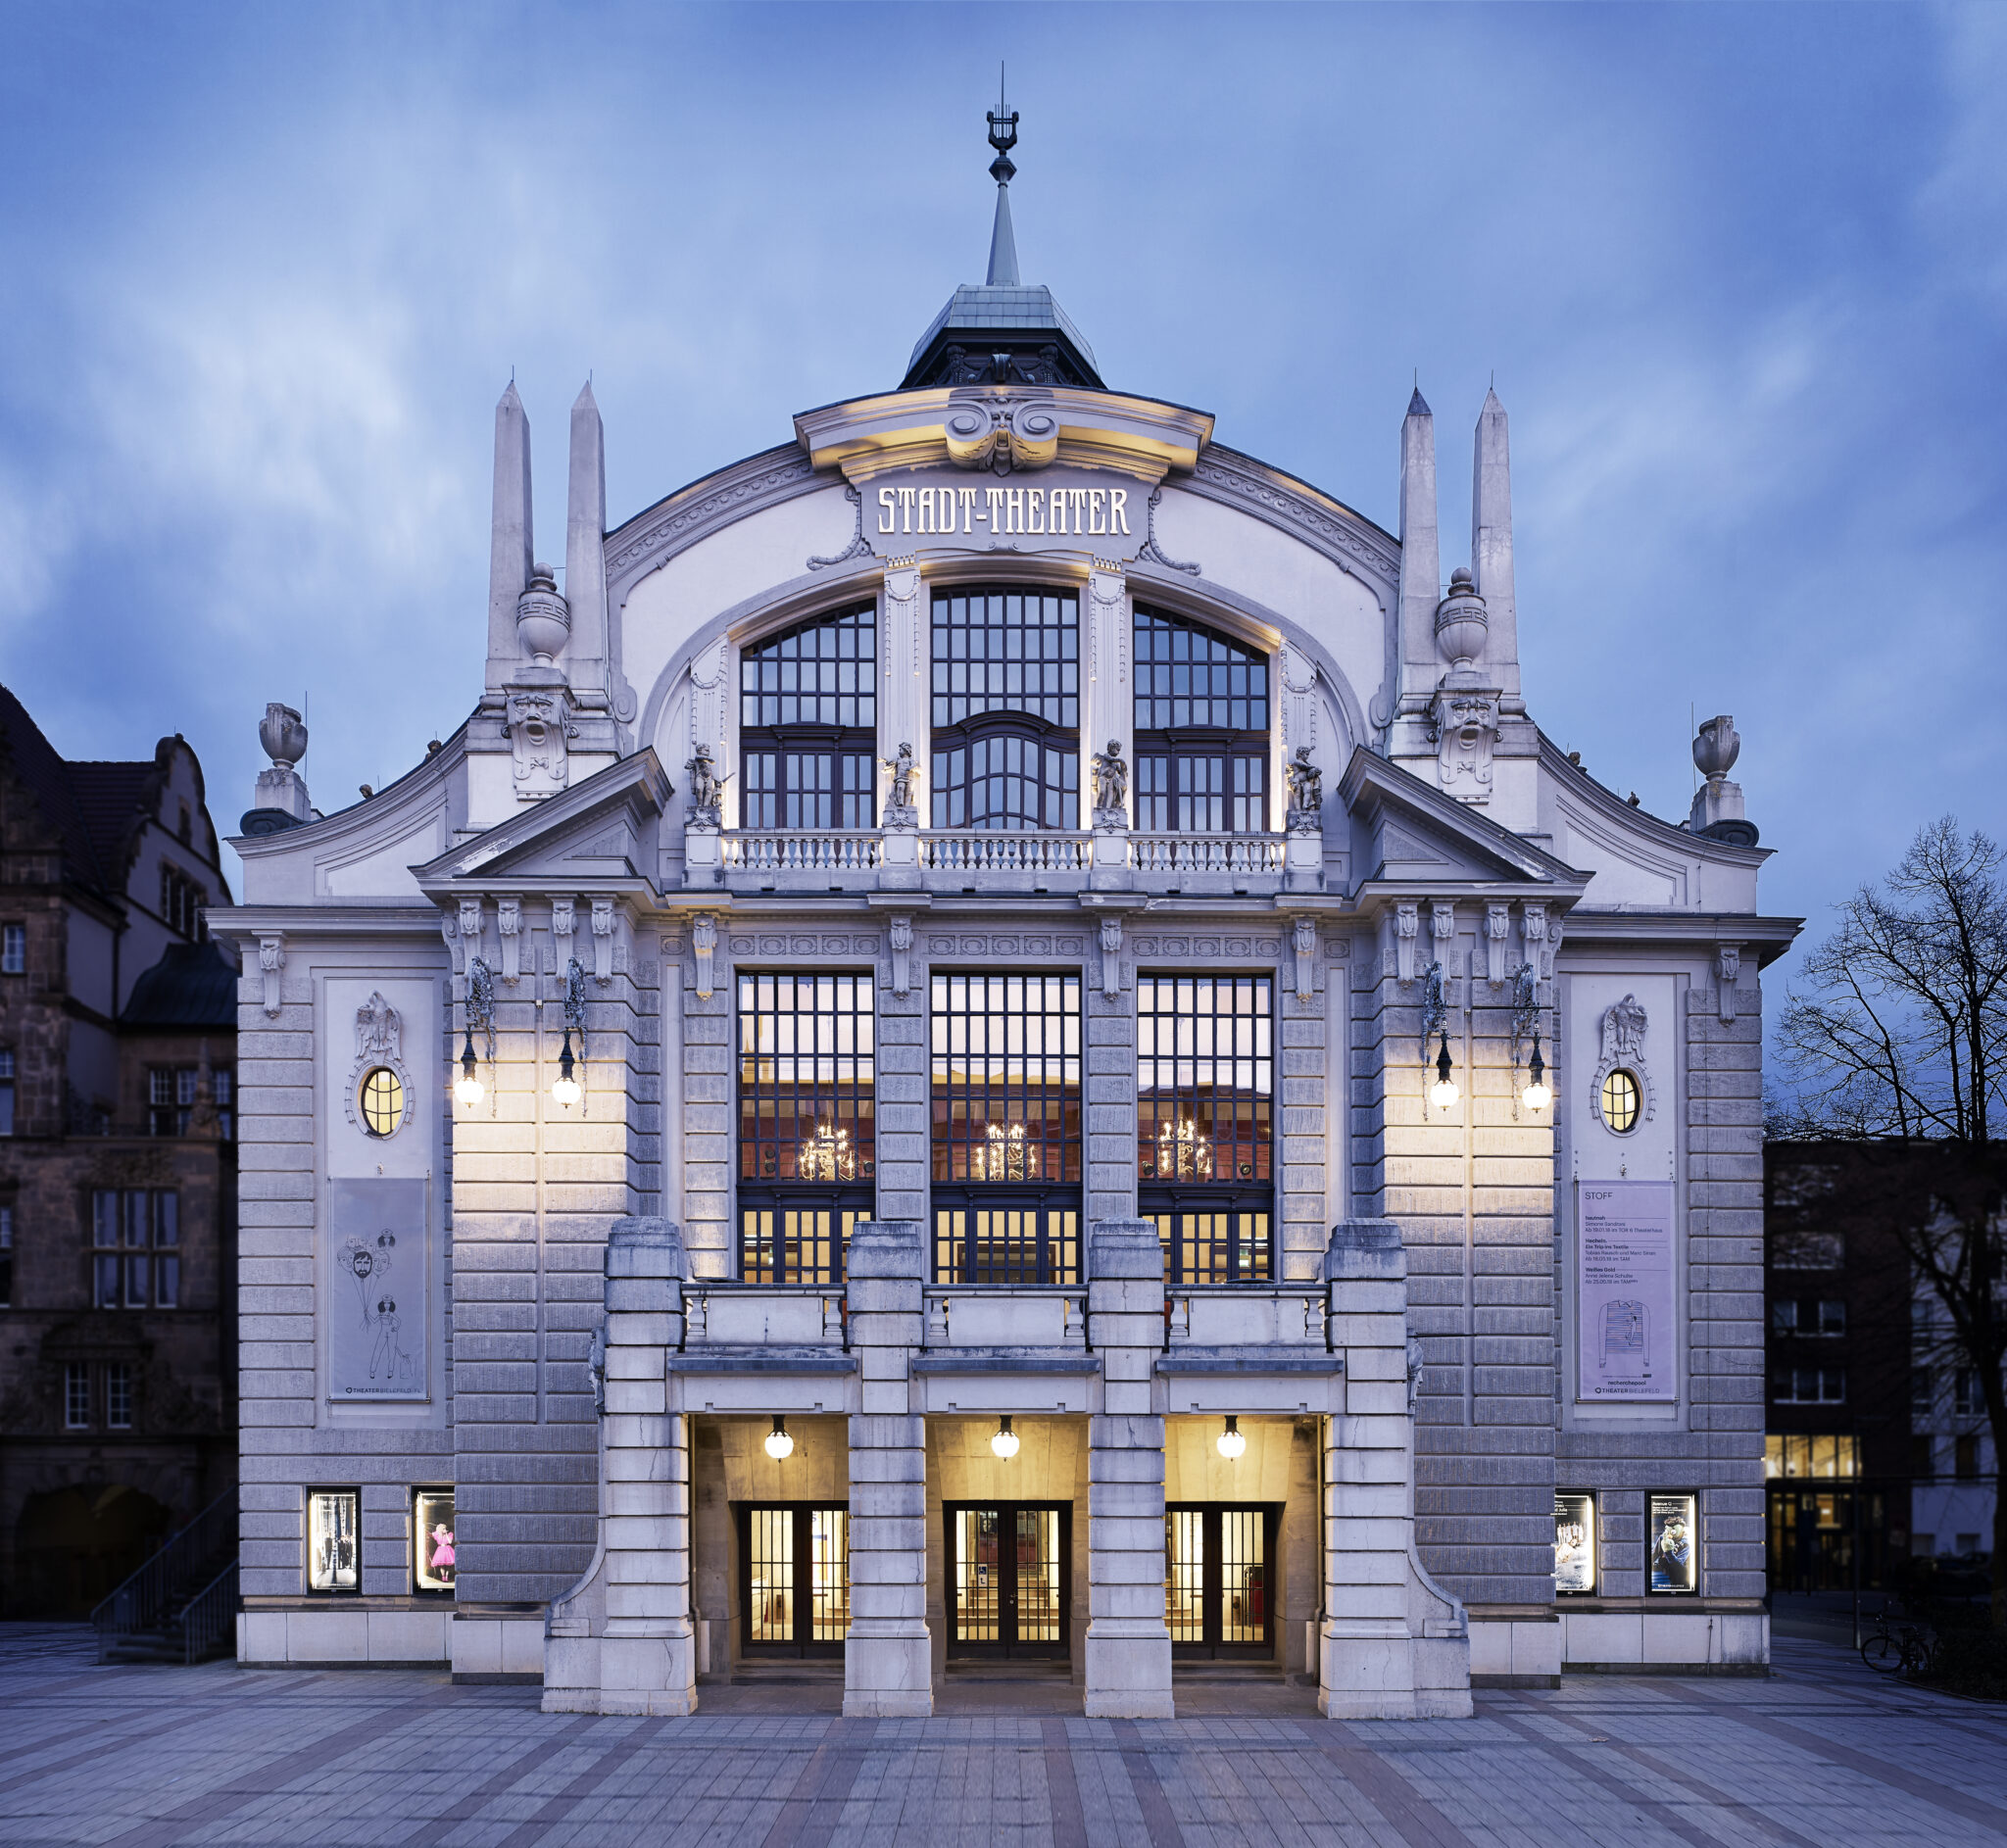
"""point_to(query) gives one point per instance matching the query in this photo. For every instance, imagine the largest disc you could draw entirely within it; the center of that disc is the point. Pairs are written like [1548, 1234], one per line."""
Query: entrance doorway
[1218, 1579]
[794, 1578]
[1009, 1578]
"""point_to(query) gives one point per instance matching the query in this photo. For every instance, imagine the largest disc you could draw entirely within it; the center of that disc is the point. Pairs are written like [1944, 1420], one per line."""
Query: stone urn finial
[542, 618]
[282, 735]
[1461, 623]
[1717, 748]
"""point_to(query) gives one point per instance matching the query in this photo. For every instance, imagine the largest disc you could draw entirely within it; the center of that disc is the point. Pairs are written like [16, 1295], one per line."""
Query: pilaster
[1128, 1639]
[622, 1640]
[887, 1658]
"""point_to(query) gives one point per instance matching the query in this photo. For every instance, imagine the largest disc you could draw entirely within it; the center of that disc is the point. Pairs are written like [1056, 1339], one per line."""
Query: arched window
[809, 725]
[1006, 708]
[1202, 730]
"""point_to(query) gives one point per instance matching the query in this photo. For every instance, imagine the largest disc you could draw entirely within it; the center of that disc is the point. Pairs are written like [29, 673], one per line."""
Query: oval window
[1620, 1101]
[381, 1098]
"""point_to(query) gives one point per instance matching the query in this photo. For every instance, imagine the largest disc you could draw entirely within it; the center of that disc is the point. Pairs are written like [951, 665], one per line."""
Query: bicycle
[1903, 1649]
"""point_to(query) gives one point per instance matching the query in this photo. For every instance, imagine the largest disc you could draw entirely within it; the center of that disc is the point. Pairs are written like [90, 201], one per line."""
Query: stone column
[1128, 1640]
[1394, 1645]
[887, 1657]
[621, 1640]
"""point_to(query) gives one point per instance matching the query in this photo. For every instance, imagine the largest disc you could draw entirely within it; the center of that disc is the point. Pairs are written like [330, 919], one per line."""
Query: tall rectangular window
[118, 1395]
[1204, 1129]
[5, 1257]
[809, 725]
[6, 1091]
[1007, 1136]
[13, 949]
[77, 1395]
[1201, 729]
[1007, 709]
[808, 1154]
[136, 1248]
[223, 1087]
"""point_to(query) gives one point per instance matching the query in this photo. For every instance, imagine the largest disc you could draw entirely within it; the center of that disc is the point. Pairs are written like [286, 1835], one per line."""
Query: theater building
[1001, 1037]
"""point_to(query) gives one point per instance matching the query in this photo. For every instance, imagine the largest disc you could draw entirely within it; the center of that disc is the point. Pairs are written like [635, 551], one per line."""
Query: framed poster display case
[1672, 1542]
[334, 1530]
[1577, 1554]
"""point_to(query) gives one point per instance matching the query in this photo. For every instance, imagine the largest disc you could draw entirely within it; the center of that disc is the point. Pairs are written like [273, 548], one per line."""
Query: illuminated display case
[334, 1550]
[433, 1556]
[1672, 1563]
[1575, 1545]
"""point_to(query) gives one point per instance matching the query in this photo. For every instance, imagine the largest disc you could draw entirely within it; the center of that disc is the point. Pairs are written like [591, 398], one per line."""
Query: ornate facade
[1010, 1041]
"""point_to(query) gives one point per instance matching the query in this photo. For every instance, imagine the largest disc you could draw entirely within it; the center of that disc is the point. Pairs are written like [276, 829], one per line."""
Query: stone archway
[73, 1546]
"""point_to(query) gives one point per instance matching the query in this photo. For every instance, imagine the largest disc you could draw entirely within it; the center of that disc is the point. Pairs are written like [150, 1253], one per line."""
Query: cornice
[1348, 539]
[1768, 937]
[244, 924]
[694, 512]
[1572, 779]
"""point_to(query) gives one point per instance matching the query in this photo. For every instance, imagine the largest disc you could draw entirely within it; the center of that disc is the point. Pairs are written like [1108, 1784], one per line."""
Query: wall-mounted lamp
[565, 1090]
[1232, 1444]
[1442, 1093]
[1005, 1443]
[779, 1445]
[468, 1086]
[1536, 1095]
[479, 1012]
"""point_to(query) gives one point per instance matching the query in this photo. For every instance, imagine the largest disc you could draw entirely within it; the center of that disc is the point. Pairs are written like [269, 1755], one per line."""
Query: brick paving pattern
[1820, 1752]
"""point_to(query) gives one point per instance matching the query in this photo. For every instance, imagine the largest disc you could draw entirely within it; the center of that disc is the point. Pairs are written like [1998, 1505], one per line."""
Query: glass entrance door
[1217, 1580]
[794, 1579]
[1009, 1584]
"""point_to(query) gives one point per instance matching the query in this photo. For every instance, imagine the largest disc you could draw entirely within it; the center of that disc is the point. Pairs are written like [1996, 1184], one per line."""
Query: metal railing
[798, 851]
[145, 1601]
[209, 1617]
[1007, 851]
[1207, 853]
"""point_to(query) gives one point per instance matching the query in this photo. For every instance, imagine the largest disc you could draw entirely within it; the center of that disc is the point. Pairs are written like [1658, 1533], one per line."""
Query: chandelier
[1010, 1156]
[829, 1155]
[1181, 1153]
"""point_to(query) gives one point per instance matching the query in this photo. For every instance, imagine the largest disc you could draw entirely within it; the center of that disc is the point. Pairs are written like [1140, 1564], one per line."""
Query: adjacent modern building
[1879, 1435]
[118, 1167]
[1001, 1037]
[1840, 1454]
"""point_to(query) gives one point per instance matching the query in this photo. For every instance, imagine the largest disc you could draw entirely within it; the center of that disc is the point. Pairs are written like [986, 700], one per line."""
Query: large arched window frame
[1202, 713]
[809, 725]
[1005, 707]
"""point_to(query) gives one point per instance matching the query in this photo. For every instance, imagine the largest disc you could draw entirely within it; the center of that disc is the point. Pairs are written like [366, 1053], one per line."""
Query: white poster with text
[1627, 1321]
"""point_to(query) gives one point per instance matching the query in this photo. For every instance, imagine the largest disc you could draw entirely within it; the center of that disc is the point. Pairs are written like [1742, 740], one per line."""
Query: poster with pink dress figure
[1625, 1308]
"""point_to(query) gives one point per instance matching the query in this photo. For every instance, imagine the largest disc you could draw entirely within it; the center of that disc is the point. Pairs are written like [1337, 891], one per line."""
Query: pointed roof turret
[1002, 331]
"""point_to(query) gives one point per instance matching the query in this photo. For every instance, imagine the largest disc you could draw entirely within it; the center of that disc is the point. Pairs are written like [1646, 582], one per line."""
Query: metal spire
[1002, 242]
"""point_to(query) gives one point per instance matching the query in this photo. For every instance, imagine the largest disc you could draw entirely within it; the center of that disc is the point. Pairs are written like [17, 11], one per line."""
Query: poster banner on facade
[1624, 1291]
[379, 1286]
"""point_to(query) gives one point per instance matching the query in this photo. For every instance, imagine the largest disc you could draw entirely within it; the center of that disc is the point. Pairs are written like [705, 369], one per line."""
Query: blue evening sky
[1741, 274]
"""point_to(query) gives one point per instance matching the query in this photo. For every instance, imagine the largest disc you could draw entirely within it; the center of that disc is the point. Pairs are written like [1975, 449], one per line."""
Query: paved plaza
[148, 1757]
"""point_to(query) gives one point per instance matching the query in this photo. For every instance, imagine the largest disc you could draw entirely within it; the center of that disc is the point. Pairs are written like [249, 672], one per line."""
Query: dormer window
[1202, 730]
[809, 725]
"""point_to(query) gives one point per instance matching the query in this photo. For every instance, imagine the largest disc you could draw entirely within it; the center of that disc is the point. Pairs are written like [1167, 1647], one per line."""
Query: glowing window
[382, 1101]
[1620, 1101]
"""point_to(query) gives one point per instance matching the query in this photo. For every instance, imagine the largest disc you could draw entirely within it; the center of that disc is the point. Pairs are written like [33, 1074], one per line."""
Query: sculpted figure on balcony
[901, 810]
[1307, 792]
[1110, 787]
[706, 789]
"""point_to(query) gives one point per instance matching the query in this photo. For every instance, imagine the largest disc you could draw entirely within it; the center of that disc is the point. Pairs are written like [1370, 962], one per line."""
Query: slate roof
[982, 308]
[116, 801]
[49, 780]
[191, 986]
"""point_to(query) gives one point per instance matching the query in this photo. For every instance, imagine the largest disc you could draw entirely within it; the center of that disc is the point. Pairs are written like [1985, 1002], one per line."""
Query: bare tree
[1897, 1045]
[1903, 1028]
